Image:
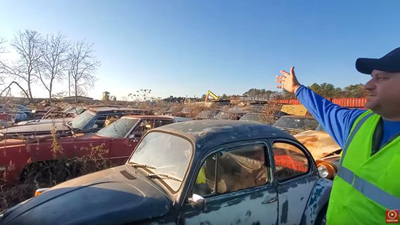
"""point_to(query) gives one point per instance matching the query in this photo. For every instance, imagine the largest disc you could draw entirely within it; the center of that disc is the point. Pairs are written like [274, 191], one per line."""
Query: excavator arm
[210, 94]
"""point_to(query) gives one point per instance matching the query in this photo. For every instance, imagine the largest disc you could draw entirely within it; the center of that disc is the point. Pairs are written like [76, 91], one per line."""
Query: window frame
[141, 120]
[311, 162]
[164, 185]
[230, 147]
[162, 120]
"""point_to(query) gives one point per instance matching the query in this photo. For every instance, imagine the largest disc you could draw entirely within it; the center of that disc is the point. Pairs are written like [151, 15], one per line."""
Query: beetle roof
[211, 133]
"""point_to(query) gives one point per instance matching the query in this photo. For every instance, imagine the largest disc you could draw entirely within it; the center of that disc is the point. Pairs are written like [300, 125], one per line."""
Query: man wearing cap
[366, 189]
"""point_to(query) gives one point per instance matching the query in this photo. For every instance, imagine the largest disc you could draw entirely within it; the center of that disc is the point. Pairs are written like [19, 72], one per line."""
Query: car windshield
[297, 123]
[76, 110]
[224, 116]
[207, 114]
[253, 117]
[119, 128]
[168, 154]
[81, 120]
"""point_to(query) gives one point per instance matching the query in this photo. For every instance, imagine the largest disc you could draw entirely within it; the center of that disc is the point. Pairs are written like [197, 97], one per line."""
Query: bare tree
[141, 95]
[2, 69]
[27, 44]
[2, 42]
[82, 65]
[54, 61]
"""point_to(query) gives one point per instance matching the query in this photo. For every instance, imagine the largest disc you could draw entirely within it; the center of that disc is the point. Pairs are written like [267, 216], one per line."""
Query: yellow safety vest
[201, 178]
[366, 187]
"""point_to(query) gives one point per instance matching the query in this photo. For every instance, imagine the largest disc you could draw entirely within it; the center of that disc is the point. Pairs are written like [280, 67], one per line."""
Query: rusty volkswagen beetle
[197, 172]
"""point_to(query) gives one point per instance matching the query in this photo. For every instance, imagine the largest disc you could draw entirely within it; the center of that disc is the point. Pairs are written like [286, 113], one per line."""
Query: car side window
[159, 123]
[232, 170]
[205, 181]
[290, 161]
[100, 121]
[142, 128]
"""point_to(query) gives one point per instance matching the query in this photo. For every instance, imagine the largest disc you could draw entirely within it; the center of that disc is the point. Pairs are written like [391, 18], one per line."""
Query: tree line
[325, 89]
[46, 60]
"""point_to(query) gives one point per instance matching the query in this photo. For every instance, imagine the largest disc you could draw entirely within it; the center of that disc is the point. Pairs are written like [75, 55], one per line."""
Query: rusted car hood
[319, 143]
[113, 196]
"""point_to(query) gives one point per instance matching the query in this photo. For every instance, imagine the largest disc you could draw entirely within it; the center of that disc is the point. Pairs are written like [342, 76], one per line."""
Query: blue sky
[184, 48]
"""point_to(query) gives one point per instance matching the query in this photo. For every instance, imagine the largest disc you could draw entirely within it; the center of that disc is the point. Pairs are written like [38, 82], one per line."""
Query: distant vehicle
[52, 116]
[296, 124]
[33, 159]
[226, 116]
[234, 113]
[318, 142]
[55, 112]
[17, 112]
[197, 172]
[91, 120]
[254, 117]
[263, 117]
[207, 114]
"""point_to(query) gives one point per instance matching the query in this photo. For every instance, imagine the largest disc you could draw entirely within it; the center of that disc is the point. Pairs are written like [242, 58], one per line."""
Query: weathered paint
[245, 208]
[319, 143]
[291, 194]
[317, 201]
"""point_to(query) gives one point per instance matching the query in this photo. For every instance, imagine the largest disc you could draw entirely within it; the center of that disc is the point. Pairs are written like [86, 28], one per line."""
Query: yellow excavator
[212, 95]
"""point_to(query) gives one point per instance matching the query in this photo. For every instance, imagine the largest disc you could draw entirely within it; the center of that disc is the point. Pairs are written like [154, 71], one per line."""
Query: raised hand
[288, 81]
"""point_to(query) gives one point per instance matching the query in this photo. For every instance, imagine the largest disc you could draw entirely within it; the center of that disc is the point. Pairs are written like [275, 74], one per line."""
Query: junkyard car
[39, 160]
[296, 124]
[255, 117]
[319, 143]
[52, 116]
[229, 115]
[207, 114]
[197, 172]
[91, 120]
[14, 113]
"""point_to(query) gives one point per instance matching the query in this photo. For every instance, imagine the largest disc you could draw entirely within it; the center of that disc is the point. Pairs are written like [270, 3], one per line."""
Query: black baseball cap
[388, 63]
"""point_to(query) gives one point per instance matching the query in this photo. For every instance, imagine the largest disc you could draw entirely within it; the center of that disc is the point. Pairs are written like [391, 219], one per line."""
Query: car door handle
[271, 200]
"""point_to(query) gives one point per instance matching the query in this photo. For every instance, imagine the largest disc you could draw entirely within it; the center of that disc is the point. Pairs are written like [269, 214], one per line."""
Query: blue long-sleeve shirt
[338, 121]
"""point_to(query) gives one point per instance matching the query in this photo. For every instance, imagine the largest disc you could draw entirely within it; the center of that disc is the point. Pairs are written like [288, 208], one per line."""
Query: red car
[50, 160]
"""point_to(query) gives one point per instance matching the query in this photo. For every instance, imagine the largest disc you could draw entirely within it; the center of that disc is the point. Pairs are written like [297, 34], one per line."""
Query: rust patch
[319, 143]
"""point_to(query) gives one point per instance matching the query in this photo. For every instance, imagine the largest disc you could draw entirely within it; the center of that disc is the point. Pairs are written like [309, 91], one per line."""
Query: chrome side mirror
[197, 201]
